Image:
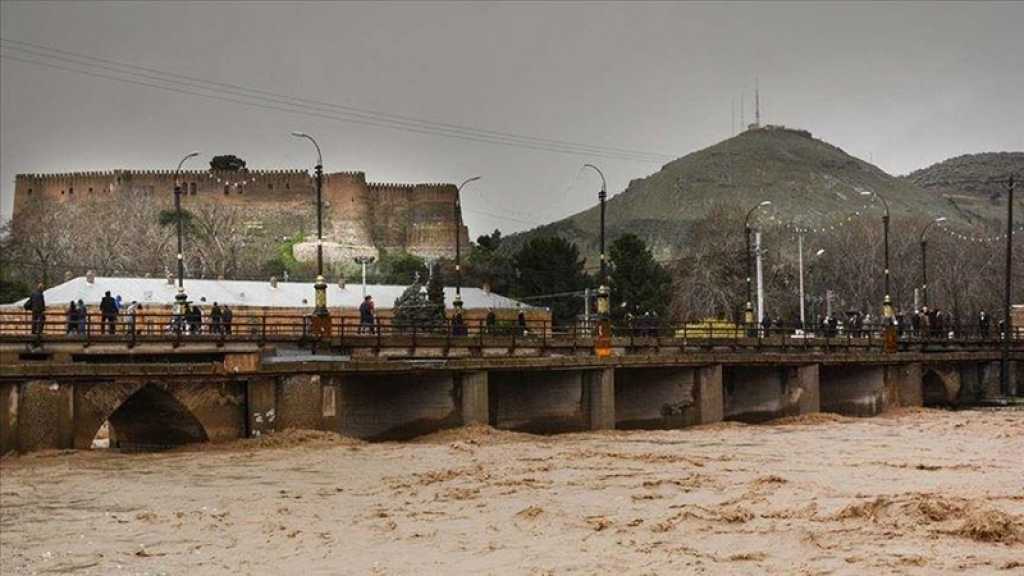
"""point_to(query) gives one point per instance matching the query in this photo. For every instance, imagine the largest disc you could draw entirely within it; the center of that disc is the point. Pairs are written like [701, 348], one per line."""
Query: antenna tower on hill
[757, 103]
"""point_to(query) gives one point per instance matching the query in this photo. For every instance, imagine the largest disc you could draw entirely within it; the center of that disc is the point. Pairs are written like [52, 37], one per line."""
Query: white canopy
[157, 291]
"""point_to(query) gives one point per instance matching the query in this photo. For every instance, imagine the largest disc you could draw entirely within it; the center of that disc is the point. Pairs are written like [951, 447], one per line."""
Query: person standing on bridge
[226, 320]
[215, 318]
[766, 325]
[366, 313]
[36, 304]
[83, 317]
[72, 316]
[521, 321]
[108, 313]
[984, 324]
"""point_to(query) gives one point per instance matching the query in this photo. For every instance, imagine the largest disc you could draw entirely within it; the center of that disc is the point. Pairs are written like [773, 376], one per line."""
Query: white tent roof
[248, 293]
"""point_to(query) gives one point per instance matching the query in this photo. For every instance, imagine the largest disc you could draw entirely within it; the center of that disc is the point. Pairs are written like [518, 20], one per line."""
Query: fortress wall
[432, 220]
[347, 211]
[389, 214]
[417, 218]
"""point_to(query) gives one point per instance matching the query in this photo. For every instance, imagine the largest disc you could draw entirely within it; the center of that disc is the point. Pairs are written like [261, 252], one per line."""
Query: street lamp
[180, 299]
[322, 319]
[363, 261]
[800, 246]
[887, 310]
[458, 243]
[602, 288]
[748, 314]
[924, 258]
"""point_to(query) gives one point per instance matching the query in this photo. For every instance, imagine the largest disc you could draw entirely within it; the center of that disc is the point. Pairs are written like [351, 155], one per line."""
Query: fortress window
[192, 188]
[29, 191]
[71, 191]
[61, 192]
[90, 190]
[270, 186]
[225, 189]
[287, 185]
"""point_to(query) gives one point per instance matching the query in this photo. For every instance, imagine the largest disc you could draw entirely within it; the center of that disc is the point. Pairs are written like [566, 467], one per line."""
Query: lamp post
[748, 312]
[887, 310]
[1004, 363]
[180, 299]
[322, 319]
[924, 259]
[363, 261]
[800, 247]
[602, 288]
[458, 243]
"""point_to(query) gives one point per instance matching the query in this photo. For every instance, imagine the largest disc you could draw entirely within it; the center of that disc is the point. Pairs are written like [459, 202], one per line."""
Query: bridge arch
[940, 387]
[153, 418]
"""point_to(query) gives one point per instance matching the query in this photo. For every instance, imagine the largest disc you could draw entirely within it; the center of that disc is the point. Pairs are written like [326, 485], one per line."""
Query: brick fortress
[360, 218]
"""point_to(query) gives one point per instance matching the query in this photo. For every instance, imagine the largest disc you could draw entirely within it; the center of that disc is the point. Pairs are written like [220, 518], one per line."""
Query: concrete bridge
[57, 394]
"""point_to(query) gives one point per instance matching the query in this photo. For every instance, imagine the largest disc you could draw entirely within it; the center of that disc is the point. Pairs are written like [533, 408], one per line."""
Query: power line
[269, 100]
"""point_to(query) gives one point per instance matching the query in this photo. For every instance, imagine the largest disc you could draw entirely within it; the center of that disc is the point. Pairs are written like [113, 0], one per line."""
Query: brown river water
[912, 492]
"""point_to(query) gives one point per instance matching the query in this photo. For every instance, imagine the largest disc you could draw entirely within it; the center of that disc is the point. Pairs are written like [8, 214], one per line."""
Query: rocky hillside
[966, 182]
[807, 180]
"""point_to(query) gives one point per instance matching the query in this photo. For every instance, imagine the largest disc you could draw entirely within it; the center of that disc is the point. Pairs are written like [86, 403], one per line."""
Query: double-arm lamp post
[887, 311]
[603, 292]
[458, 243]
[321, 317]
[924, 259]
[180, 299]
[748, 312]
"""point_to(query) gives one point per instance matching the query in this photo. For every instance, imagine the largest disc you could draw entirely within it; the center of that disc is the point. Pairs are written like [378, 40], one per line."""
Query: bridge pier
[904, 386]
[8, 417]
[600, 393]
[473, 397]
[260, 406]
[45, 415]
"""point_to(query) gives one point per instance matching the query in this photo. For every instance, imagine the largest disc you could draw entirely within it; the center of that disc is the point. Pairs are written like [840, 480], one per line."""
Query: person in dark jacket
[72, 316]
[984, 324]
[36, 304]
[766, 325]
[366, 311]
[108, 314]
[521, 321]
[215, 318]
[83, 317]
[226, 320]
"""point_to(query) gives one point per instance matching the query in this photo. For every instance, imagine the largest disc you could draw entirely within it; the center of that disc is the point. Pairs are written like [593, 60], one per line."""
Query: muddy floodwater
[914, 492]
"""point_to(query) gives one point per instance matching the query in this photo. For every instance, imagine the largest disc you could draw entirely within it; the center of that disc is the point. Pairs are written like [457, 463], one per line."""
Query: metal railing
[347, 331]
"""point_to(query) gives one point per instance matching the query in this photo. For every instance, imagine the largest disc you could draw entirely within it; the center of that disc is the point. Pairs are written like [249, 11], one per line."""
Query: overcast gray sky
[902, 85]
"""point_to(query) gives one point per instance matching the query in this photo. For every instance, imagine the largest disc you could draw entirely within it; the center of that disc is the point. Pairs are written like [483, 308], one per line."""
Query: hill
[967, 182]
[808, 181]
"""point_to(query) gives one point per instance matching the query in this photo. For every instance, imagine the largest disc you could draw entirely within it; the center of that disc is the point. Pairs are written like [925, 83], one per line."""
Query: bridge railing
[143, 327]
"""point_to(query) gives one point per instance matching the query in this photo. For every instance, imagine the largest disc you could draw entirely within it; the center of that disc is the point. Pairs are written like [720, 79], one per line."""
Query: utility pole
[180, 299]
[321, 317]
[760, 277]
[1004, 365]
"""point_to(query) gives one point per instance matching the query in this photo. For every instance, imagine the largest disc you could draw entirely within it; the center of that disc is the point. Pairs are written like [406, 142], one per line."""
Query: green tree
[551, 273]
[400, 268]
[435, 288]
[639, 284]
[487, 264]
